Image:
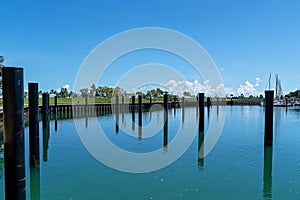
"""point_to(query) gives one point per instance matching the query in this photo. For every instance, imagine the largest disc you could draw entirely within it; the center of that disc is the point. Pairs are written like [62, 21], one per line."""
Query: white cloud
[178, 87]
[67, 86]
[247, 89]
[257, 81]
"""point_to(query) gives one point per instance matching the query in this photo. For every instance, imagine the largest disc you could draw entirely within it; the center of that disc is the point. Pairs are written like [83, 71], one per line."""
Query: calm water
[237, 168]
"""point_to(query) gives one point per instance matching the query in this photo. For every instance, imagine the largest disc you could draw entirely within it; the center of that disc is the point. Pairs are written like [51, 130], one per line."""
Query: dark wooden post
[123, 103]
[85, 106]
[269, 118]
[14, 146]
[201, 111]
[45, 108]
[133, 104]
[140, 104]
[117, 114]
[140, 116]
[55, 104]
[182, 109]
[208, 102]
[166, 103]
[165, 141]
[34, 136]
[117, 104]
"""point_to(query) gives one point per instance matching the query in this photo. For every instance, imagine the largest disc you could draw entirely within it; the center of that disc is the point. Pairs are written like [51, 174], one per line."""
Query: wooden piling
[140, 116]
[123, 103]
[117, 113]
[14, 146]
[165, 138]
[140, 104]
[45, 107]
[133, 104]
[55, 104]
[208, 102]
[34, 138]
[85, 106]
[269, 95]
[201, 111]
[166, 103]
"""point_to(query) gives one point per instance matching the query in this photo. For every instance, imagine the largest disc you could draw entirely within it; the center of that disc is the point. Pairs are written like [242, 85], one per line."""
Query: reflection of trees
[1, 165]
[1, 162]
[1, 155]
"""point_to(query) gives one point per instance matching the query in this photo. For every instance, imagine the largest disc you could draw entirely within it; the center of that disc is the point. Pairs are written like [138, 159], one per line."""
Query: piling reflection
[1, 156]
[165, 140]
[182, 115]
[268, 162]
[133, 121]
[55, 122]
[86, 122]
[208, 111]
[35, 183]
[46, 137]
[140, 126]
[200, 149]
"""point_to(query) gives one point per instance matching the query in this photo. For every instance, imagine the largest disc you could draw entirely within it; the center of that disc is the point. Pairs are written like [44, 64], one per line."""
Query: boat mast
[270, 82]
[279, 92]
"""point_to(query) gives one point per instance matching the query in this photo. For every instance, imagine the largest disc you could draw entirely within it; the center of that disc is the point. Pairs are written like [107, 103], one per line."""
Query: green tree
[63, 93]
[139, 93]
[159, 92]
[52, 91]
[117, 91]
[93, 90]
[84, 92]
[186, 94]
[1, 65]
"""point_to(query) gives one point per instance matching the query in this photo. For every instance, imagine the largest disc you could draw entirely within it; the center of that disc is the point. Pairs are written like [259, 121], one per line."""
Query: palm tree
[93, 90]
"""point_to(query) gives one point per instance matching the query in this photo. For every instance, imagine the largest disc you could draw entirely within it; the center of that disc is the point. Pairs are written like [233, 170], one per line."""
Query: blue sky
[246, 39]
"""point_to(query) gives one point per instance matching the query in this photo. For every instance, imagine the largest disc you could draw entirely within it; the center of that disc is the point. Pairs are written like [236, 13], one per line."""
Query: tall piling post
[133, 104]
[269, 118]
[86, 106]
[201, 111]
[182, 109]
[133, 110]
[14, 144]
[123, 103]
[165, 141]
[55, 104]
[45, 107]
[123, 107]
[208, 102]
[117, 113]
[140, 116]
[34, 136]
[140, 105]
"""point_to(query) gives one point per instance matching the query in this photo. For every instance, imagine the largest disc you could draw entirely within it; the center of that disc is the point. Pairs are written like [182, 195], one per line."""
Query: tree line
[108, 92]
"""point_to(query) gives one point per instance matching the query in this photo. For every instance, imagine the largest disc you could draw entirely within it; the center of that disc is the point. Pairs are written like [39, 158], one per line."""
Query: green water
[239, 167]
